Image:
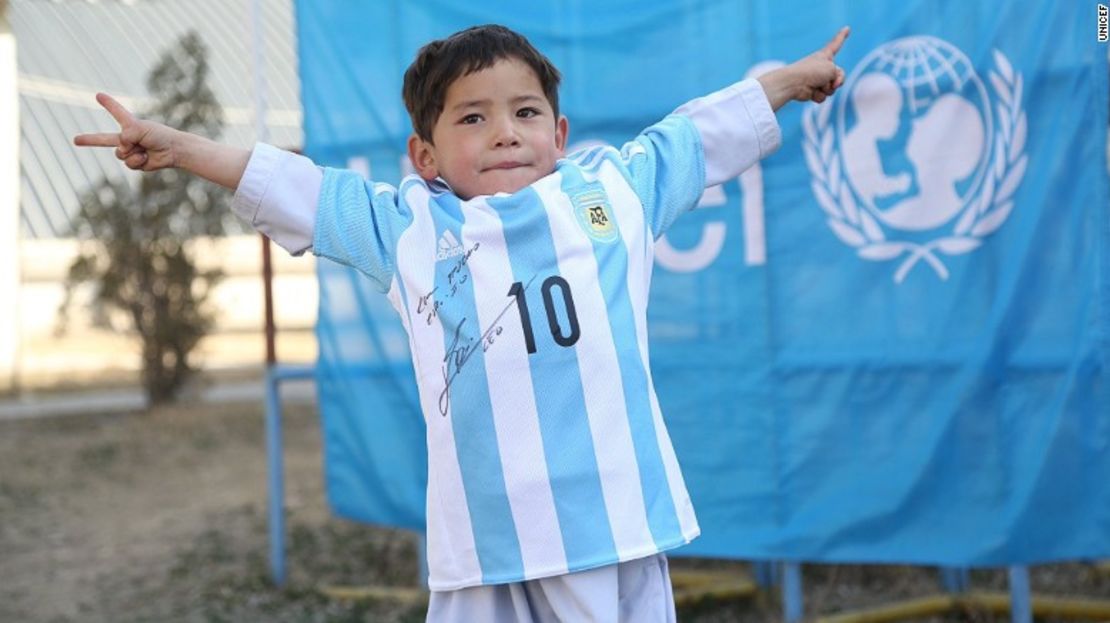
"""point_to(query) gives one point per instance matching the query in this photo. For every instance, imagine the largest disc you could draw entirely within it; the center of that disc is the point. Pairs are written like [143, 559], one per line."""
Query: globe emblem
[907, 161]
[914, 128]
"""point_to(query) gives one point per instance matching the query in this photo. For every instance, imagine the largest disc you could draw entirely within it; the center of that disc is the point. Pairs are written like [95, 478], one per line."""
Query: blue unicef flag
[886, 342]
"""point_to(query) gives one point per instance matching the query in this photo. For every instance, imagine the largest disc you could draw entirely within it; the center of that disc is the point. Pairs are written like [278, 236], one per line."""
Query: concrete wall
[43, 357]
[9, 200]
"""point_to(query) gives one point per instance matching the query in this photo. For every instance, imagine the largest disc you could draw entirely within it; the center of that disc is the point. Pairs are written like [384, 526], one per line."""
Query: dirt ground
[161, 516]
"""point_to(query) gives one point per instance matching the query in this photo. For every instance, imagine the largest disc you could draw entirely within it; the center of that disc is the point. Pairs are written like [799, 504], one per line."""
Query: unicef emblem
[908, 161]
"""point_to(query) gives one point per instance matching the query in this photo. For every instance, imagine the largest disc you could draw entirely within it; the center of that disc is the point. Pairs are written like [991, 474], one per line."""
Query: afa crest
[595, 215]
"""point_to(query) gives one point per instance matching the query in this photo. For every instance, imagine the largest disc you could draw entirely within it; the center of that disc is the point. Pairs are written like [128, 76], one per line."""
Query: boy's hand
[819, 76]
[148, 146]
[812, 78]
[141, 145]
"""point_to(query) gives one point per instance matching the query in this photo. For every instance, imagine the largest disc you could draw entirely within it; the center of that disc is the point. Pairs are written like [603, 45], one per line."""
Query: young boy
[521, 277]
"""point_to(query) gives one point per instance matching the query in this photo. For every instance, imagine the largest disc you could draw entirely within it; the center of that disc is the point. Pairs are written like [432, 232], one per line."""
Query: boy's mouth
[508, 164]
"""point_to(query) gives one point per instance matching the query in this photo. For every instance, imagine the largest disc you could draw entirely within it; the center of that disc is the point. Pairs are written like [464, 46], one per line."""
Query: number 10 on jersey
[549, 284]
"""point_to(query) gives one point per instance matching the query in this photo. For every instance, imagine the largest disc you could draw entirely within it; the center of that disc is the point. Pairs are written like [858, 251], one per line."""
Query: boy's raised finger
[832, 47]
[103, 139]
[121, 114]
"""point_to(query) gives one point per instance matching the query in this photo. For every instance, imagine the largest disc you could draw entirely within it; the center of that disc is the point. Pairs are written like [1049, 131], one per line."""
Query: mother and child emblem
[914, 160]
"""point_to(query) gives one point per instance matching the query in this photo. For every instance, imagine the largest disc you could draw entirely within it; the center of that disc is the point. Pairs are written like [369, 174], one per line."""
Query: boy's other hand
[141, 145]
[813, 78]
[819, 76]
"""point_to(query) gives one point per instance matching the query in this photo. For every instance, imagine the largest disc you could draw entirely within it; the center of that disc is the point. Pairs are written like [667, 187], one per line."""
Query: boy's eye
[527, 112]
[470, 119]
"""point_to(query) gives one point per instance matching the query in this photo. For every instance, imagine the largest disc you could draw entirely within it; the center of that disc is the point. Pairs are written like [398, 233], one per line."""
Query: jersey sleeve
[666, 169]
[358, 224]
[331, 212]
[705, 142]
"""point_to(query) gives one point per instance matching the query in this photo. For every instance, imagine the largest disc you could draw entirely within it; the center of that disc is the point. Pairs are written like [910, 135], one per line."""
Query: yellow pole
[997, 603]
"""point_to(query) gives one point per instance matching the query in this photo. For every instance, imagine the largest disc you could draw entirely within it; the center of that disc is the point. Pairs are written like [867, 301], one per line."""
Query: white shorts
[637, 591]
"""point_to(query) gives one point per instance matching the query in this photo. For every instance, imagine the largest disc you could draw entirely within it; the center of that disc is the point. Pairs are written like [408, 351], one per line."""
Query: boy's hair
[441, 62]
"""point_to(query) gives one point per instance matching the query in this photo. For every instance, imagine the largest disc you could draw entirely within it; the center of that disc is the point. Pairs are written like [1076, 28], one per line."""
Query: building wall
[9, 199]
[69, 51]
[89, 352]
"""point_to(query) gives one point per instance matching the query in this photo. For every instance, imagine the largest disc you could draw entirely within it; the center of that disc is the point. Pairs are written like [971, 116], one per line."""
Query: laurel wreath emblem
[980, 217]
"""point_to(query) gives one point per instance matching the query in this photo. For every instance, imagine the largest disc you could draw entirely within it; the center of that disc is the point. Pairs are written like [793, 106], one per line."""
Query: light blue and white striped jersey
[526, 317]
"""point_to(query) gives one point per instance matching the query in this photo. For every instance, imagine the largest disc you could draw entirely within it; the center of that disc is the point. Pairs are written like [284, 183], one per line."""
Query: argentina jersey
[526, 318]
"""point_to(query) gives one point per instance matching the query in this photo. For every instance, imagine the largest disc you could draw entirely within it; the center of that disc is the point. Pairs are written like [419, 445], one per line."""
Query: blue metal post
[422, 558]
[792, 607]
[955, 579]
[765, 572]
[1021, 606]
[276, 476]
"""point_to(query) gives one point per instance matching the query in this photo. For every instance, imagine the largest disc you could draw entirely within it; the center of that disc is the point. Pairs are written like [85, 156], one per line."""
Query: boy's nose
[505, 135]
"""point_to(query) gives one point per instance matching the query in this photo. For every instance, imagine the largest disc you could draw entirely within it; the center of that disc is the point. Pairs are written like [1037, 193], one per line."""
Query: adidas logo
[448, 246]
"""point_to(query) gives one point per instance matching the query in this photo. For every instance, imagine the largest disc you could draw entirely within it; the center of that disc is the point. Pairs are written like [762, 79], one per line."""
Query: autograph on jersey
[462, 347]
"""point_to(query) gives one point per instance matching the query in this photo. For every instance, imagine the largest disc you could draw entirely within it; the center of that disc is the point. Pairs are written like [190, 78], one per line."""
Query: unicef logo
[909, 162]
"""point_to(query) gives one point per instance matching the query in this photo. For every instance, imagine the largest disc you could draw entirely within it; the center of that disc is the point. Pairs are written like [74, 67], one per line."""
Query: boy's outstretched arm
[148, 146]
[737, 124]
[812, 78]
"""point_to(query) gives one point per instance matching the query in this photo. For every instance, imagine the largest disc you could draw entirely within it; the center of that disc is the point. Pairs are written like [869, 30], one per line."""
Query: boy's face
[497, 133]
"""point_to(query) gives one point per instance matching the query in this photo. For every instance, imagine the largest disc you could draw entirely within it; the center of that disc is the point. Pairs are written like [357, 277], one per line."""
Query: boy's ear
[423, 158]
[562, 130]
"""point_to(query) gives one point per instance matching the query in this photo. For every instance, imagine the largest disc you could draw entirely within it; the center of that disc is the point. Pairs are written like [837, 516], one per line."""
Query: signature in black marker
[455, 278]
[463, 347]
[432, 305]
